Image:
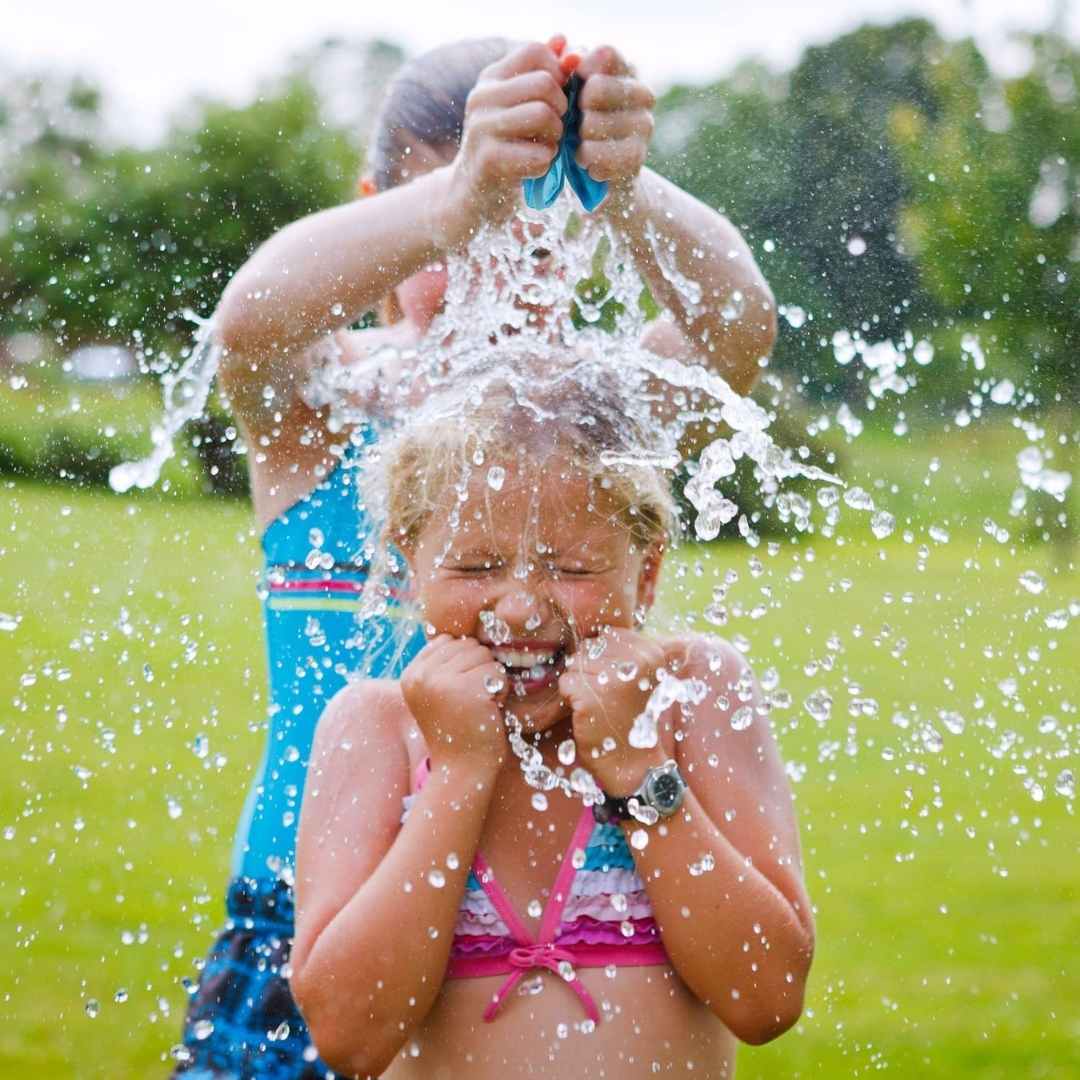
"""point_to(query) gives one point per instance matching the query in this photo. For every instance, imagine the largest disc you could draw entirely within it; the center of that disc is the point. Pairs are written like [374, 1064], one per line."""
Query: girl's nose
[520, 607]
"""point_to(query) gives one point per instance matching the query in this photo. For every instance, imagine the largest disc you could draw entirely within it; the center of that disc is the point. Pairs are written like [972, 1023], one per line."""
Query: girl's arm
[321, 273]
[740, 934]
[377, 901]
[673, 237]
[740, 931]
[373, 933]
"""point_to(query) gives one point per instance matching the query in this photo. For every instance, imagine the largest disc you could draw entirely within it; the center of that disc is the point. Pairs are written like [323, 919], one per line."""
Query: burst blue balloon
[542, 191]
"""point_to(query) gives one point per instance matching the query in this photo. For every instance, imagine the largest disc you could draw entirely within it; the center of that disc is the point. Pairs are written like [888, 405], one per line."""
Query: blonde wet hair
[511, 417]
[445, 447]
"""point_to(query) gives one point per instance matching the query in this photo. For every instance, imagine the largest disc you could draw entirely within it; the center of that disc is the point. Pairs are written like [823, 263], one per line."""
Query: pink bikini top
[597, 914]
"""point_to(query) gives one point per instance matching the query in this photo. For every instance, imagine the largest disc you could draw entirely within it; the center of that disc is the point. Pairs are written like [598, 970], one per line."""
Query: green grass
[52, 424]
[940, 954]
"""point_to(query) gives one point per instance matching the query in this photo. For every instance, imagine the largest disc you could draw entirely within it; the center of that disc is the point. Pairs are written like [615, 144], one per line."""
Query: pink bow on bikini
[525, 958]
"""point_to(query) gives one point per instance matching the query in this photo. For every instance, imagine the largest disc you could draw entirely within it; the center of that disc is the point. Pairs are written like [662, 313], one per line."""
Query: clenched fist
[607, 683]
[455, 690]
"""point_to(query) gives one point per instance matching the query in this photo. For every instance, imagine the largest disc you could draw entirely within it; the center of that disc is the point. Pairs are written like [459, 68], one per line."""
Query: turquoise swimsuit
[311, 591]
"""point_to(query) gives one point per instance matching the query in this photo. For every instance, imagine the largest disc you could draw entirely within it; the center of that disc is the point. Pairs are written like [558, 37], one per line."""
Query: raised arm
[322, 272]
[729, 323]
[676, 238]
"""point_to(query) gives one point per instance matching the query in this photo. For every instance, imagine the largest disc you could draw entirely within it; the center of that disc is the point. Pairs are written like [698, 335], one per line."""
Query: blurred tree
[115, 244]
[50, 136]
[350, 76]
[805, 166]
[993, 214]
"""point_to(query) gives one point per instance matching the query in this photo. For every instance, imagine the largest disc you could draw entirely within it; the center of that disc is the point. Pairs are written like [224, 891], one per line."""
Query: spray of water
[184, 394]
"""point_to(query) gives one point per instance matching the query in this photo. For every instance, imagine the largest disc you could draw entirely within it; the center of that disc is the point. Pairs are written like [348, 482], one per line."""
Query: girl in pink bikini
[454, 920]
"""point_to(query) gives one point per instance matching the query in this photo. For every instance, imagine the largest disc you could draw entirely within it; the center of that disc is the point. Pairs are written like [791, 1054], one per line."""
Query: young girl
[488, 929]
[290, 309]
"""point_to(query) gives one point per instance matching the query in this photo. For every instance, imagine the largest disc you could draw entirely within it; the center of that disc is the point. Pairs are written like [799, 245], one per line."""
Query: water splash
[184, 395]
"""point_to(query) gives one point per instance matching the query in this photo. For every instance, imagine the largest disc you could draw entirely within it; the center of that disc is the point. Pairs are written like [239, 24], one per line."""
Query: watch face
[666, 791]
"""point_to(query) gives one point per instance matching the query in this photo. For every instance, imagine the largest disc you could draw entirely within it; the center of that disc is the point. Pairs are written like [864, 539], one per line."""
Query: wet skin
[546, 561]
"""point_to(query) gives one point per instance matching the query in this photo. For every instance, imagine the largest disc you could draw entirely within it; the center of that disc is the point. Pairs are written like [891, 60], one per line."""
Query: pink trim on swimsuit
[545, 950]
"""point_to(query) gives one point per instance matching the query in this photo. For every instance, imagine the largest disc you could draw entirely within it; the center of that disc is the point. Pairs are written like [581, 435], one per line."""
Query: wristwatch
[660, 795]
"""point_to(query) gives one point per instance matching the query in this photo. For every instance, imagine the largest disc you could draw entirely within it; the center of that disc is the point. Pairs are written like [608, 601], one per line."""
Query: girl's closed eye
[473, 564]
[574, 569]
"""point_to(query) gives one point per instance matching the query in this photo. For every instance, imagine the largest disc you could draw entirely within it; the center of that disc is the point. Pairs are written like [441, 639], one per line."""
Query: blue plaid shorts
[242, 1023]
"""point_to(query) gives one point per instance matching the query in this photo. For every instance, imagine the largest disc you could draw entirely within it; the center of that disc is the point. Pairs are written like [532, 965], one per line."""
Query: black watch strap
[611, 811]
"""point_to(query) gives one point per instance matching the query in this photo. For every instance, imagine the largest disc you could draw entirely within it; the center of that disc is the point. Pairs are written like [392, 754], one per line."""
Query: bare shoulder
[732, 717]
[369, 708]
[707, 657]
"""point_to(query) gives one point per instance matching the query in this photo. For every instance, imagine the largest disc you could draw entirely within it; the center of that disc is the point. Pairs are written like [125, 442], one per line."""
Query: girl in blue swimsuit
[439, 170]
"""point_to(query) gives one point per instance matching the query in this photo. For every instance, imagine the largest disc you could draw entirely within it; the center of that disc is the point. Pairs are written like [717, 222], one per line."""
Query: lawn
[943, 862]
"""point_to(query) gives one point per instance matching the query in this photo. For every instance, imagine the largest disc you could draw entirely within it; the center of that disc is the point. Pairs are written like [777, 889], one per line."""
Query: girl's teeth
[518, 659]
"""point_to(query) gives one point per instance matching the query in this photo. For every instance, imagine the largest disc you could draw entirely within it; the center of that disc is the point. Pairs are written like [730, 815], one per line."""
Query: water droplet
[856, 246]
[819, 705]
[931, 739]
[1003, 392]
[882, 524]
[202, 1029]
[595, 647]
[494, 684]
[121, 996]
[496, 477]
[567, 751]
[923, 352]
[535, 909]
[8, 623]
[626, 670]
[742, 718]
[1065, 784]
[92, 1008]
[1032, 582]
[858, 499]
[436, 878]
[539, 801]
[639, 839]
[953, 721]
[795, 315]
[175, 807]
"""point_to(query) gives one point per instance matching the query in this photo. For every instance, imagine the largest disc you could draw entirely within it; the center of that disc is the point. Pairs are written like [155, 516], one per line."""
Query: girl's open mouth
[531, 667]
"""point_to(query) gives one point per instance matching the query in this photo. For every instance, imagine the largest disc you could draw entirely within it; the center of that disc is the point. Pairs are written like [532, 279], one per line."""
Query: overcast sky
[150, 57]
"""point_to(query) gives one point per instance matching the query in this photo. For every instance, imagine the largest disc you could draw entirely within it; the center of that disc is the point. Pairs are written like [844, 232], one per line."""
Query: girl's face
[532, 570]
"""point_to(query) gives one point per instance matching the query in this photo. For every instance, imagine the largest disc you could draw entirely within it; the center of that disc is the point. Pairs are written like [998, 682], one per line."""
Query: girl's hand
[513, 123]
[606, 695]
[455, 690]
[616, 121]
